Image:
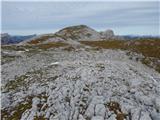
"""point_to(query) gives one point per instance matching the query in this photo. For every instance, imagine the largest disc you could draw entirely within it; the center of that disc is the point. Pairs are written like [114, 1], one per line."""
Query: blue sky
[22, 18]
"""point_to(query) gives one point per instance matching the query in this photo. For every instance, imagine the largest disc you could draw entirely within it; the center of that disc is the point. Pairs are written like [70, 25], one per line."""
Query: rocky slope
[77, 84]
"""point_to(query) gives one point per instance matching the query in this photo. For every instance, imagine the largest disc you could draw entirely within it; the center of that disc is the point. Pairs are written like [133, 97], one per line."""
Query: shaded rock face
[79, 33]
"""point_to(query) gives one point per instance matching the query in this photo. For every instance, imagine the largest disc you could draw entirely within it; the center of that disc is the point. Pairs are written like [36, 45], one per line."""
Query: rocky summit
[64, 81]
[79, 33]
[73, 34]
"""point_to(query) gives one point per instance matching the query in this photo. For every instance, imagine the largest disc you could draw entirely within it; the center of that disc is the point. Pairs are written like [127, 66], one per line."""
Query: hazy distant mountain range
[9, 39]
[128, 37]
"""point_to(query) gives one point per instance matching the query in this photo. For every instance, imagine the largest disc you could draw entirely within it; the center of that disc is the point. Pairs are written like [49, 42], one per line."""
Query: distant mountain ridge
[71, 34]
[9, 39]
[128, 37]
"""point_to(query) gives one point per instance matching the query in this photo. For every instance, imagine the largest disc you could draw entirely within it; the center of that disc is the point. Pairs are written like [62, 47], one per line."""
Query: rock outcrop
[108, 34]
[73, 34]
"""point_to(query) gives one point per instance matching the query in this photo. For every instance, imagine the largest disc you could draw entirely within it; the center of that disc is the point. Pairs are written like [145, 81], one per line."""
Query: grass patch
[39, 118]
[40, 39]
[16, 47]
[17, 111]
[69, 48]
[51, 45]
[110, 44]
[8, 58]
[14, 84]
[149, 48]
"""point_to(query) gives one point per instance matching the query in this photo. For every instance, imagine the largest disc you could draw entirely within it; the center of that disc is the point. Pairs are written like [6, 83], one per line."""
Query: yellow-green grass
[51, 45]
[16, 111]
[110, 44]
[40, 39]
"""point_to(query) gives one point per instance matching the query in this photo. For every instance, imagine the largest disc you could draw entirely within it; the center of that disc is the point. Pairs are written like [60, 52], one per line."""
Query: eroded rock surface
[83, 84]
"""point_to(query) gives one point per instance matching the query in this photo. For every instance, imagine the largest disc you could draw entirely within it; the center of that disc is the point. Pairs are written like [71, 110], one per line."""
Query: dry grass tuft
[110, 44]
[51, 45]
[40, 39]
[115, 107]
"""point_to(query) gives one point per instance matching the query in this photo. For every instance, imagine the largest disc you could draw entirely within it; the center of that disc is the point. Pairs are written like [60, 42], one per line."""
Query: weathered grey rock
[78, 85]
[108, 34]
[145, 116]
[155, 115]
[157, 103]
[100, 110]
[79, 33]
[97, 118]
